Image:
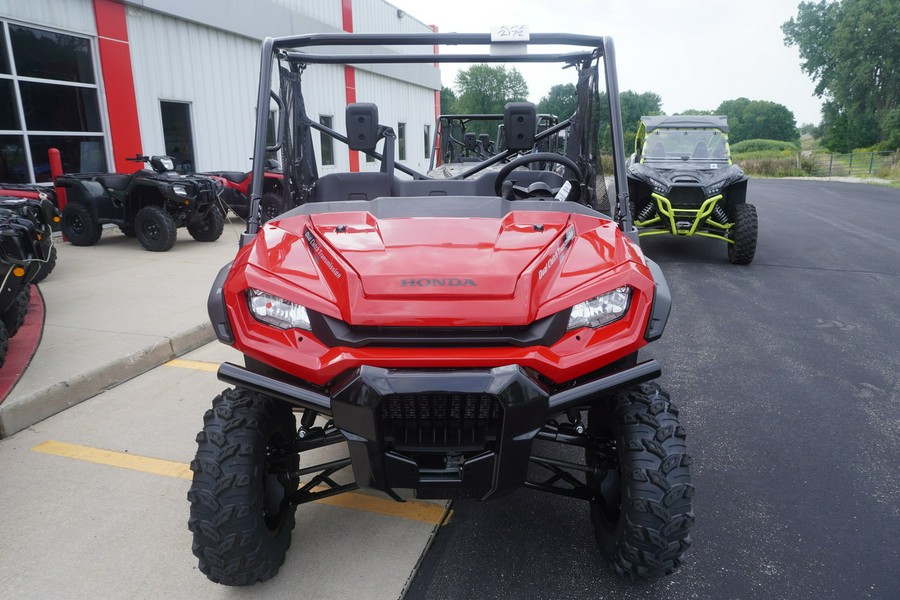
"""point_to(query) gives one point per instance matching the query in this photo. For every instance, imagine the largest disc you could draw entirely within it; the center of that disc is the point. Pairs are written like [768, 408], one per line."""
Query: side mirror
[362, 126]
[519, 125]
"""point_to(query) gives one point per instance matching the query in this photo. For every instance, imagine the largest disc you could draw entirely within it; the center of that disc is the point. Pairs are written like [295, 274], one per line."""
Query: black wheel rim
[151, 229]
[76, 224]
[276, 484]
[606, 482]
[269, 211]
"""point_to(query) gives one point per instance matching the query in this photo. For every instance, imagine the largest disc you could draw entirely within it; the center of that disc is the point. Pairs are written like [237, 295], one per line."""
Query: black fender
[662, 303]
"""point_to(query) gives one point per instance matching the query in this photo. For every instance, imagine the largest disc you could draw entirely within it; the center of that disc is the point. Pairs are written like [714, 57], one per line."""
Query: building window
[48, 99]
[177, 136]
[326, 141]
[401, 141]
[47, 55]
[49, 107]
[428, 141]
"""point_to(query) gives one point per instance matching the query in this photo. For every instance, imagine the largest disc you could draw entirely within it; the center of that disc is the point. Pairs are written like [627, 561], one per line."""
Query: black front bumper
[442, 433]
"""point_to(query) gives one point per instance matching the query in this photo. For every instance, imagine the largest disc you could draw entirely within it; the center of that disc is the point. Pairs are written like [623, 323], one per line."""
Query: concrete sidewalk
[114, 311]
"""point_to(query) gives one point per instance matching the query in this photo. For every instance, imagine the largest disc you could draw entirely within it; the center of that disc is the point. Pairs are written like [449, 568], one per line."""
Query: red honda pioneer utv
[437, 327]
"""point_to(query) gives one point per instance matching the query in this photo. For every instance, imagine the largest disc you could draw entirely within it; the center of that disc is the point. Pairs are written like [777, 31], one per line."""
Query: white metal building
[106, 79]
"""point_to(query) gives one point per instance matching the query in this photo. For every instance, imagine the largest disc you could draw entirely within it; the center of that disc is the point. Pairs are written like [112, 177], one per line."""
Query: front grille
[334, 332]
[421, 421]
[686, 196]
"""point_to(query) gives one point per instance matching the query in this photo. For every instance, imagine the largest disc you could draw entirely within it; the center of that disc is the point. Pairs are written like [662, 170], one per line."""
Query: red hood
[462, 271]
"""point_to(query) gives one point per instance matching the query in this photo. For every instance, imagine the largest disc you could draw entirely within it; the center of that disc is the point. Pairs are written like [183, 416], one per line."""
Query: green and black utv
[682, 182]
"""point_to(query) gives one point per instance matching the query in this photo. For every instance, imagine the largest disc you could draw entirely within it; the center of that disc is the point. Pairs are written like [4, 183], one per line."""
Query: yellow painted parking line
[416, 510]
[123, 460]
[197, 365]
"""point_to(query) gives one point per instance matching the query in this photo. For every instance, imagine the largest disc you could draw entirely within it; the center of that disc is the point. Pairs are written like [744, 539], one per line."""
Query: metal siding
[399, 102]
[76, 16]
[214, 71]
[217, 72]
[323, 92]
[378, 16]
[256, 19]
[326, 12]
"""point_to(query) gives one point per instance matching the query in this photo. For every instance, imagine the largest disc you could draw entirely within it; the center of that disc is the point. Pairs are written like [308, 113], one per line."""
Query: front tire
[14, 317]
[155, 229]
[78, 226]
[210, 228]
[47, 267]
[642, 508]
[243, 475]
[743, 233]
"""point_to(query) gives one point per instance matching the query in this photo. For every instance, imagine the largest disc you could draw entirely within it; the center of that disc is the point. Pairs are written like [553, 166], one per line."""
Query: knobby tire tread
[652, 533]
[232, 542]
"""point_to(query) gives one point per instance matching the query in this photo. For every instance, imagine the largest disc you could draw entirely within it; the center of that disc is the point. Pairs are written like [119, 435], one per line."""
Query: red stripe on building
[347, 15]
[350, 82]
[349, 73]
[115, 66]
[437, 104]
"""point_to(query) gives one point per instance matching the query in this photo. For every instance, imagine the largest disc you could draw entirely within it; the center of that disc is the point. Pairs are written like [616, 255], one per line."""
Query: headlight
[180, 190]
[277, 311]
[658, 186]
[601, 310]
[714, 189]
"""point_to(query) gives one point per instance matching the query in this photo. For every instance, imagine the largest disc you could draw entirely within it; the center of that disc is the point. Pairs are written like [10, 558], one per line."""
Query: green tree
[483, 89]
[448, 100]
[758, 119]
[851, 49]
[634, 106]
[562, 100]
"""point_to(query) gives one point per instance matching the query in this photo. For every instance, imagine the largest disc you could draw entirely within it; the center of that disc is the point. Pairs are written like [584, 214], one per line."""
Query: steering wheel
[550, 157]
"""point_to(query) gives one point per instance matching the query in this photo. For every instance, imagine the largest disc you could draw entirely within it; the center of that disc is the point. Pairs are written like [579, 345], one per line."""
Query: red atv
[237, 185]
[437, 327]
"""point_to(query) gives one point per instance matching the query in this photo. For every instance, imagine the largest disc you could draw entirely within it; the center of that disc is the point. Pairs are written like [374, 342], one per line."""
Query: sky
[693, 53]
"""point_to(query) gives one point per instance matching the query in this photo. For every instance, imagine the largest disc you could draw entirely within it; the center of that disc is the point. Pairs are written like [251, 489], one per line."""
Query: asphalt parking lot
[786, 372]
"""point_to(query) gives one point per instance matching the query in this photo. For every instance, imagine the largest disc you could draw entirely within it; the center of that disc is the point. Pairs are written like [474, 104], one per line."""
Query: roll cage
[292, 55]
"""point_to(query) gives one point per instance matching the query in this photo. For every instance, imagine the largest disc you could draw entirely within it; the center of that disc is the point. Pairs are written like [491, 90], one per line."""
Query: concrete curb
[23, 412]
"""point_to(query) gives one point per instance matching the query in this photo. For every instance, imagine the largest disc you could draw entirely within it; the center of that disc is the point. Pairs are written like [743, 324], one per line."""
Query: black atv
[43, 214]
[21, 257]
[682, 182]
[149, 204]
